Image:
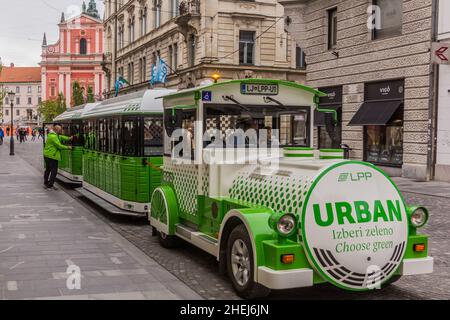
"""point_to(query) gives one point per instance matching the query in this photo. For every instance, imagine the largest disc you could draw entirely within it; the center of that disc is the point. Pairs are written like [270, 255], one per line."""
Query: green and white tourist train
[230, 168]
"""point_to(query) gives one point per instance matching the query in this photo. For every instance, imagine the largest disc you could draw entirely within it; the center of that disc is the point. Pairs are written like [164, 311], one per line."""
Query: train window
[292, 124]
[65, 129]
[101, 136]
[180, 119]
[153, 140]
[117, 145]
[129, 137]
[110, 135]
[76, 132]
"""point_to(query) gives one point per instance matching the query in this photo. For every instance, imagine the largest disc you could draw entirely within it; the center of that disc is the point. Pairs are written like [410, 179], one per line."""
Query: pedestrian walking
[33, 135]
[17, 134]
[41, 134]
[22, 135]
[2, 135]
[52, 155]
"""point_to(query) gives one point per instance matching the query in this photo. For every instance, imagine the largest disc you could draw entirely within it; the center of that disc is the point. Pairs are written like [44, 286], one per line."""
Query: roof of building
[20, 74]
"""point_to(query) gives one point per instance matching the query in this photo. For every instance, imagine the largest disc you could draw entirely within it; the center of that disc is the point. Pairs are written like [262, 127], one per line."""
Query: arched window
[83, 46]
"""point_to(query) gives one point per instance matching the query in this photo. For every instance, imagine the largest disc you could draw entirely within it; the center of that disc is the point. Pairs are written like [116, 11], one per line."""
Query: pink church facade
[77, 56]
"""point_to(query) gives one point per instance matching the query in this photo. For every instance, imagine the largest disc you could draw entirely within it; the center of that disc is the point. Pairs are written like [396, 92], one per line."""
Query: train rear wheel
[160, 212]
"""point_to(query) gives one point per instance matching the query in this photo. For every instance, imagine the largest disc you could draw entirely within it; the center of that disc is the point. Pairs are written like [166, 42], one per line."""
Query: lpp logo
[73, 281]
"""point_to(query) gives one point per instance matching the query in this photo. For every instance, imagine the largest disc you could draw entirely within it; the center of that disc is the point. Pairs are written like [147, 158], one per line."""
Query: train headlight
[418, 216]
[284, 224]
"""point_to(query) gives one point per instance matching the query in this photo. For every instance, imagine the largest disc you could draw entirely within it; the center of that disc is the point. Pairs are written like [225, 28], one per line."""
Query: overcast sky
[23, 23]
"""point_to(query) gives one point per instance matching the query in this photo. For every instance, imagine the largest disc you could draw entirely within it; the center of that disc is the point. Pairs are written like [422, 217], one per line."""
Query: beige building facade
[197, 38]
[373, 59]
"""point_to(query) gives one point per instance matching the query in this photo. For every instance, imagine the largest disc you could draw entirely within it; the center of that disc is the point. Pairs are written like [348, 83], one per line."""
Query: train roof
[197, 90]
[75, 113]
[142, 102]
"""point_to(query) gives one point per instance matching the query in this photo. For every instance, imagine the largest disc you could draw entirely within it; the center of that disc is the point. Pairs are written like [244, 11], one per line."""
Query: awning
[375, 113]
[319, 117]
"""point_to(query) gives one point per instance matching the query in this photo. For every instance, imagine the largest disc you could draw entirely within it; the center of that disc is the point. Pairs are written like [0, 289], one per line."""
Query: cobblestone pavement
[199, 270]
[46, 235]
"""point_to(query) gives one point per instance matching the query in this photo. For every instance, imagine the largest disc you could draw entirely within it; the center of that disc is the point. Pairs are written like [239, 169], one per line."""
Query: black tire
[168, 242]
[250, 289]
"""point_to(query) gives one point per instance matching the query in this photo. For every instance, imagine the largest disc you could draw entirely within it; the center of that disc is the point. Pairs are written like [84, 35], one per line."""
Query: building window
[192, 45]
[143, 21]
[157, 12]
[83, 46]
[131, 73]
[175, 57]
[17, 112]
[143, 69]
[29, 114]
[175, 8]
[39, 100]
[52, 91]
[39, 89]
[131, 30]
[7, 101]
[6, 112]
[17, 89]
[332, 28]
[300, 58]
[247, 47]
[17, 101]
[390, 18]
[29, 100]
[29, 89]
[170, 58]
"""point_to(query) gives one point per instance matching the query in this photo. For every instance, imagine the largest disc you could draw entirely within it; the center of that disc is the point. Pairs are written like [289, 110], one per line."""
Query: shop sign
[356, 239]
[386, 90]
[334, 95]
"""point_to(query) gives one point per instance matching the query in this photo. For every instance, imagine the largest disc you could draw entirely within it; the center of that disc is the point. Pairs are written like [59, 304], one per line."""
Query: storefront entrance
[382, 116]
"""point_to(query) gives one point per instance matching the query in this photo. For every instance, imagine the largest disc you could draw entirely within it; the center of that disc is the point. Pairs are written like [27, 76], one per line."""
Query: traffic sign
[440, 53]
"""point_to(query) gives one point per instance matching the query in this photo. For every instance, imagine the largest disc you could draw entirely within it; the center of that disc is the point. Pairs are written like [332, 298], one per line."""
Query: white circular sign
[355, 226]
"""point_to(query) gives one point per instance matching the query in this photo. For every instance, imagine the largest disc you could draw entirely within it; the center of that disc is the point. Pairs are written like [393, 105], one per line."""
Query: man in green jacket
[52, 155]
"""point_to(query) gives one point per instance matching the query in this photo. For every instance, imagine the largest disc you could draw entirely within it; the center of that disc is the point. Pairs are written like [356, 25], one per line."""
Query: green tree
[77, 95]
[90, 95]
[50, 109]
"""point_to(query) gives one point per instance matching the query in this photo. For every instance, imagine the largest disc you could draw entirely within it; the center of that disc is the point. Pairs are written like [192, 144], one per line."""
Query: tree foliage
[90, 95]
[77, 95]
[50, 109]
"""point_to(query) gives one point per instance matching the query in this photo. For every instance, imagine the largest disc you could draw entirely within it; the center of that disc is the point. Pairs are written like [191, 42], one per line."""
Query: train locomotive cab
[123, 147]
[242, 182]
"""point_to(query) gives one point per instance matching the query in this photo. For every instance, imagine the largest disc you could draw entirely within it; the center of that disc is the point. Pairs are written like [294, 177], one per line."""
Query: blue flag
[119, 84]
[162, 71]
[159, 72]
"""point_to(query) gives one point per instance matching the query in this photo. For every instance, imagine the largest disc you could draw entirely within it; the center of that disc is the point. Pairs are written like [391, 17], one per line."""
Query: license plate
[259, 89]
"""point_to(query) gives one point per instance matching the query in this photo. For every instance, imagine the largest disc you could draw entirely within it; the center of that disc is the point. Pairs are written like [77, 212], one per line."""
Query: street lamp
[11, 96]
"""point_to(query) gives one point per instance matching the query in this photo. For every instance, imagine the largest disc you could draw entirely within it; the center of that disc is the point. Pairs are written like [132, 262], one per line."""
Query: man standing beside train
[52, 155]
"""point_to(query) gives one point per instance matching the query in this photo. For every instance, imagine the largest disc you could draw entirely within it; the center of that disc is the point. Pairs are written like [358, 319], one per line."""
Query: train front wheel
[240, 265]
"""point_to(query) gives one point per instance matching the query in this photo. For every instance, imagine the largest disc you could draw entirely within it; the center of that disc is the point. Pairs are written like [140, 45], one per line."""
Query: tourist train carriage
[123, 152]
[71, 164]
[278, 220]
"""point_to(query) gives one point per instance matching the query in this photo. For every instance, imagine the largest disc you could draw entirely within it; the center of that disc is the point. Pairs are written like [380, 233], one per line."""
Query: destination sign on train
[258, 88]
